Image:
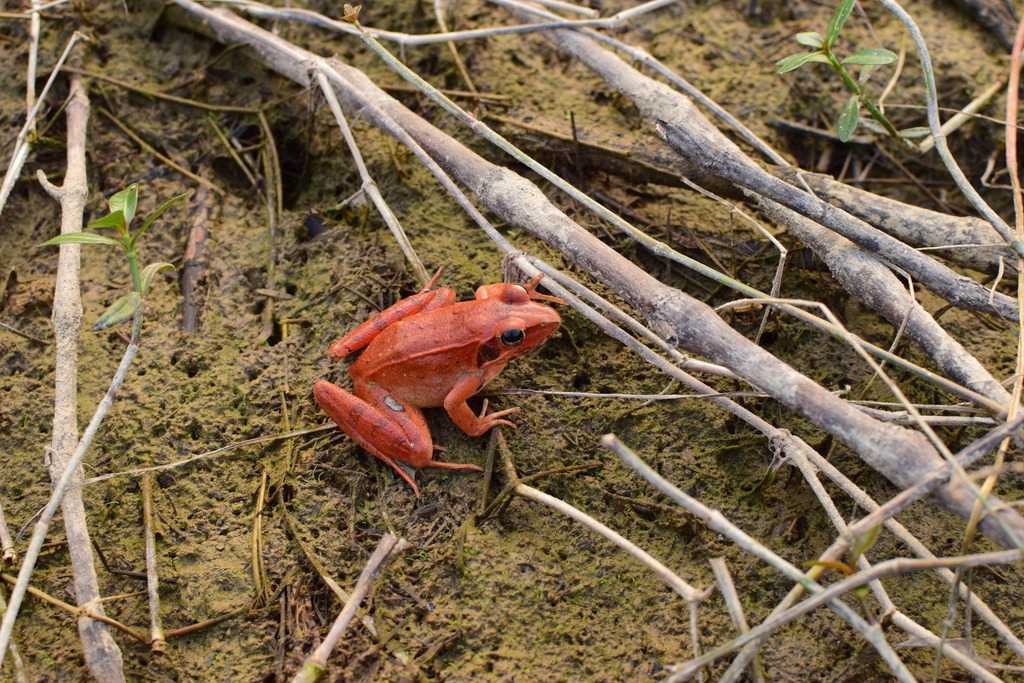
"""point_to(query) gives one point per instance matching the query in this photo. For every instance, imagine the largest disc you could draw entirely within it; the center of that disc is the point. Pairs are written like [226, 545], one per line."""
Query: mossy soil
[529, 594]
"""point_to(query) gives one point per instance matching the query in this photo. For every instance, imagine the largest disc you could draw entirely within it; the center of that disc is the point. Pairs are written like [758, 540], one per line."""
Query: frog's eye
[512, 337]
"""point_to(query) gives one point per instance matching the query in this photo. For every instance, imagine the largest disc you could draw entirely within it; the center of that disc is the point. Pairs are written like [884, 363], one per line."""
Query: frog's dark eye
[512, 337]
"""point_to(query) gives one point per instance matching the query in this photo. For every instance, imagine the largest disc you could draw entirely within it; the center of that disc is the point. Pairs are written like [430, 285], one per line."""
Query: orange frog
[427, 351]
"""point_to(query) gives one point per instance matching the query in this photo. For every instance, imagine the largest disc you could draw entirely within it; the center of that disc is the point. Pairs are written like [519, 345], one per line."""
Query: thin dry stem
[156, 629]
[21, 146]
[16, 662]
[316, 664]
[405, 40]
[888, 568]
[955, 122]
[369, 186]
[152, 151]
[260, 582]
[86, 612]
[735, 608]
[684, 589]
[9, 554]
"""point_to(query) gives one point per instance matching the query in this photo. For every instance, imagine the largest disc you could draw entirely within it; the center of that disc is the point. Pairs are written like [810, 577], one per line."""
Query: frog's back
[419, 359]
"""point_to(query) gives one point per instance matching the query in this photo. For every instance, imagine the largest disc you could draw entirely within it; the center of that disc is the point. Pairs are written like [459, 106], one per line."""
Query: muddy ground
[528, 595]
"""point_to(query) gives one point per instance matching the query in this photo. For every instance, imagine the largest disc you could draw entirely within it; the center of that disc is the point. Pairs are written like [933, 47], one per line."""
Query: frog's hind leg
[395, 433]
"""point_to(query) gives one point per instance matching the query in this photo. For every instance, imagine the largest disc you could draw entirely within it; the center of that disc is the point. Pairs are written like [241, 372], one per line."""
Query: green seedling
[860, 545]
[869, 59]
[122, 211]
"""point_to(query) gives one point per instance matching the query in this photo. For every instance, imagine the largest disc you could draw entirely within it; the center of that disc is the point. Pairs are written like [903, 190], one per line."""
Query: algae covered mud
[282, 251]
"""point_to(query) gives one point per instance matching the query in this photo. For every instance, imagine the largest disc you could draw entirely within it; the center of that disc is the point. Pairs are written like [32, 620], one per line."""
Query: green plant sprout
[122, 211]
[870, 59]
[860, 545]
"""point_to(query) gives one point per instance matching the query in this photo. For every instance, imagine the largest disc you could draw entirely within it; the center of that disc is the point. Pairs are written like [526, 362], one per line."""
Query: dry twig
[101, 652]
[316, 664]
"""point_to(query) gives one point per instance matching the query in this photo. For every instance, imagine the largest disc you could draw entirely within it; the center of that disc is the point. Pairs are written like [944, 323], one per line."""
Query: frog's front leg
[425, 300]
[463, 415]
[393, 432]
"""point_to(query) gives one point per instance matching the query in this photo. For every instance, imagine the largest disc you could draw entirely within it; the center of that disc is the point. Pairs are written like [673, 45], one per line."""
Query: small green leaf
[156, 214]
[871, 57]
[865, 74]
[125, 201]
[791, 62]
[123, 309]
[81, 238]
[111, 220]
[915, 133]
[810, 39]
[835, 24]
[848, 119]
[863, 543]
[149, 271]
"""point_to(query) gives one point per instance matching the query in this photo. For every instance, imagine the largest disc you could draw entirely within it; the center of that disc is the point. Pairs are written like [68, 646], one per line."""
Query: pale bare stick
[965, 240]
[684, 589]
[732, 165]
[636, 397]
[871, 282]
[33, 56]
[157, 641]
[369, 186]
[16, 662]
[102, 655]
[905, 418]
[735, 608]
[716, 521]
[8, 555]
[568, 6]
[902, 417]
[405, 40]
[316, 664]
[59, 489]
[21, 146]
[42, 7]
